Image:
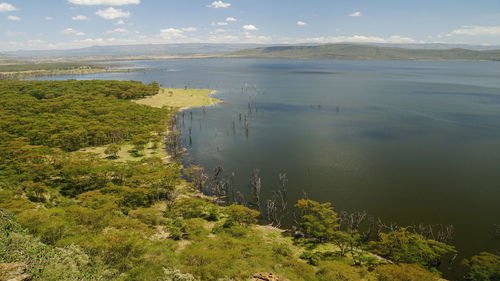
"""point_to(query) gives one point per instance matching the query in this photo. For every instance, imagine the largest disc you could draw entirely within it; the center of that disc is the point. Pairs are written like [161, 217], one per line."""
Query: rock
[15, 271]
[264, 276]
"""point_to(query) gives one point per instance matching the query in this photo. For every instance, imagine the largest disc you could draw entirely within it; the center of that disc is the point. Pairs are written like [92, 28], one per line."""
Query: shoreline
[213, 92]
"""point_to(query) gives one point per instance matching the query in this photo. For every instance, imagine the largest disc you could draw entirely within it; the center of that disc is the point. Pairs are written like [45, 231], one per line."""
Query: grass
[180, 98]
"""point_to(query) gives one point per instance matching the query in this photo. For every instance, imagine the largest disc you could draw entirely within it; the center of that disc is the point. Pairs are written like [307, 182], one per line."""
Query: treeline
[76, 114]
[27, 70]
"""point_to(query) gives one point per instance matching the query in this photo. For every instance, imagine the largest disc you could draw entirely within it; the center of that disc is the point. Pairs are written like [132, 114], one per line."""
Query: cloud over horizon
[104, 2]
[112, 13]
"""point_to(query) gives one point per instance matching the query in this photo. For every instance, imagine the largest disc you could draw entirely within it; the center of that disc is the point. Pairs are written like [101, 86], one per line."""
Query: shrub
[483, 267]
[403, 246]
[404, 272]
[339, 271]
[149, 216]
[238, 214]
[189, 208]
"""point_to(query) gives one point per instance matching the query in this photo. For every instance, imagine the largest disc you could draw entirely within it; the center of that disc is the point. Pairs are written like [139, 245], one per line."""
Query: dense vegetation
[76, 216]
[365, 52]
[75, 114]
[21, 70]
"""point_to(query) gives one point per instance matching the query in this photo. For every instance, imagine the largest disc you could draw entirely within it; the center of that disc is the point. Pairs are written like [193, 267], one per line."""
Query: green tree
[112, 150]
[483, 267]
[317, 220]
[238, 214]
[403, 246]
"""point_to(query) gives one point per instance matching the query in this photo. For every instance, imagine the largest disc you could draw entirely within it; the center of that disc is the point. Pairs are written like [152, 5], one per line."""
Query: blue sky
[61, 24]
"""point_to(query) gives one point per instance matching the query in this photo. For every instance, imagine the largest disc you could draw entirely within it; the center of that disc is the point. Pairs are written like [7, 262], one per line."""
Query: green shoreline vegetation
[19, 70]
[66, 214]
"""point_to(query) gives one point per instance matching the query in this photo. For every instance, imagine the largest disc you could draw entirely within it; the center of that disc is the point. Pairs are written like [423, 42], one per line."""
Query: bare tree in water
[197, 176]
[277, 205]
[255, 188]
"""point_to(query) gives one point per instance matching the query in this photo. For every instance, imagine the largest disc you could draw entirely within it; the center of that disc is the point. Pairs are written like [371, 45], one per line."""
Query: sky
[64, 24]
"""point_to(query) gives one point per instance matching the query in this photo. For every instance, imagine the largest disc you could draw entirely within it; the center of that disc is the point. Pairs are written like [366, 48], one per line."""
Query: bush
[149, 216]
[404, 272]
[189, 208]
[483, 267]
[282, 249]
[339, 271]
[238, 214]
[403, 246]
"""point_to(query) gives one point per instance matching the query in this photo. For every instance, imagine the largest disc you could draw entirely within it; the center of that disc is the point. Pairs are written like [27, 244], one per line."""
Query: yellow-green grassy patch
[180, 98]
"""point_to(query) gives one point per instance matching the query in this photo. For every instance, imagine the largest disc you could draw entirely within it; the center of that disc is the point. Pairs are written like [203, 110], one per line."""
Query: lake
[408, 142]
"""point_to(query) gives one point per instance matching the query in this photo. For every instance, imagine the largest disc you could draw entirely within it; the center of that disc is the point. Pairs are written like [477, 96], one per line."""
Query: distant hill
[369, 51]
[365, 52]
[138, 50]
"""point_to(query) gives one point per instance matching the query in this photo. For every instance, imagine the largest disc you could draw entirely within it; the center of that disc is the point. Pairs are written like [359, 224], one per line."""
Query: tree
[403, 246]
[483, 267]
[238, 214]
[112, 150]
[316, 220]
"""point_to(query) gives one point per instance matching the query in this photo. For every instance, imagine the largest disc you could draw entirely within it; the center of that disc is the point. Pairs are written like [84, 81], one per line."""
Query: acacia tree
[112, 150]
[402, 246]
[317, 220]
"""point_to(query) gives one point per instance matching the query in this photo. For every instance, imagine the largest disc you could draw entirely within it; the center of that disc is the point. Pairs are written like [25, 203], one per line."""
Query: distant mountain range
[137, 50]
[313, 51]
[366, 52]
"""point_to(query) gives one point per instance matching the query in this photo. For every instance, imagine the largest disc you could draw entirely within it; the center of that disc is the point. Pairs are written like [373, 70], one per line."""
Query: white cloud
[49, 18]
[112, 13]
[6, 7]
[221, 23]
[171, 33]
[219, 4]
[351, 39]
[356, 14]
[14, 18]
[120, 22]
[119, 31]
[250, 27]
[475, 30]
[176, 33]
[231, 19]
[301, 23]
[71, 31]
[104, 2]
[219, 30]
[80, 17]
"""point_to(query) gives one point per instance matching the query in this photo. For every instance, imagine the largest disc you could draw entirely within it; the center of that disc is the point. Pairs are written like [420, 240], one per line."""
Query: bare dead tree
[173, 142]
[239, 198]
[277, 206]
[197, 176]
[352, 221]
[255, 188]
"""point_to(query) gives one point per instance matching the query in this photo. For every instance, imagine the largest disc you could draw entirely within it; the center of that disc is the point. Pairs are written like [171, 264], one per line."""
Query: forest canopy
[74, 114]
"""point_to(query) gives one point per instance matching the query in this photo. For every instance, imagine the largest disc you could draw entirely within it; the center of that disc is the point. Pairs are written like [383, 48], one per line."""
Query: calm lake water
[408, 142]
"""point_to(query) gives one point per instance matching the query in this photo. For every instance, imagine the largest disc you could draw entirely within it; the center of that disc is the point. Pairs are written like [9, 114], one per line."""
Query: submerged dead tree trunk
[255, 188]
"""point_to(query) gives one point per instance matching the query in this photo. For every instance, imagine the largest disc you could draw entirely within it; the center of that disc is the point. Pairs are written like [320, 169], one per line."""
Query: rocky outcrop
[264, 276]
[15, 271]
